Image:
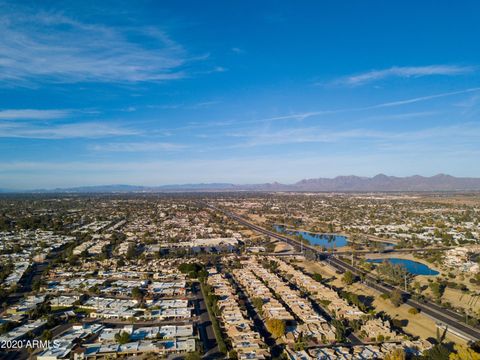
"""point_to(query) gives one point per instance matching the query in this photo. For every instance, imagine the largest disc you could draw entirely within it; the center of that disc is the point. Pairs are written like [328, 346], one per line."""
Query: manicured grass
[80, 310]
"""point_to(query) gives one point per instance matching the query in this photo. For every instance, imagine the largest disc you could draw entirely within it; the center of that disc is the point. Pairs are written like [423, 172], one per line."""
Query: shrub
[413, 311]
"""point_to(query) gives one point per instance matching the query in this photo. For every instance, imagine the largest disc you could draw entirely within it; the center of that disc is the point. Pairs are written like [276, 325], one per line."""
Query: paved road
[444, 316]
[390, 251]
[204, 325]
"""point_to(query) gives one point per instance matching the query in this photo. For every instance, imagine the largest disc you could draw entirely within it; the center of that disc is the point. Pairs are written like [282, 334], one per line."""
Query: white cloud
[204, 104]
[53, 47]
[403, 72]
[237, 50]
[309, 114]
[63, 131]
[138, 147]
[301, 135]
[421, 98]
[469, 103]
[312, 134]
[33, 114]
[402, 116]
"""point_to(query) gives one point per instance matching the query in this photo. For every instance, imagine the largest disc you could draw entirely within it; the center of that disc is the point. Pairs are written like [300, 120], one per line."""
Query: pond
[413, 267]
[323, 240]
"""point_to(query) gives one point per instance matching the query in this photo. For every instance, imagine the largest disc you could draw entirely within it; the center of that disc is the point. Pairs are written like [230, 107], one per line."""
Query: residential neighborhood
[177, 277]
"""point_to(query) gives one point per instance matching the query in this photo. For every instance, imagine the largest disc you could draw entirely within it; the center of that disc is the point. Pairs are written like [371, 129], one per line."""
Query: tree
[137, 293]
[131, 251]
[52, 321]
[6, 327]
[440, 337]
[193, 356]
[385, 296]
[193, 270]
[476, 346]
[348, 278]
[438, 352]
[396, 298]
[437, 289]
[36, 285]
[330, 228]
[413, 311]
[122, 337]
[39, 311]
[276, 327]
[340, 330]
[73, 260]
[340, 333]
[258, 303]
[46, 335]
[464, 353]
[395, 273]
[300, 343]
[397, 354]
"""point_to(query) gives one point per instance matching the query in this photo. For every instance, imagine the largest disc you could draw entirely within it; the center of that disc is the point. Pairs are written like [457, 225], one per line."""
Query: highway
[390, 251]
[446, 317]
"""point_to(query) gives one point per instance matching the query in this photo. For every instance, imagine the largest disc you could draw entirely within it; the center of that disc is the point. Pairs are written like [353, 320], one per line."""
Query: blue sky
[151, 93]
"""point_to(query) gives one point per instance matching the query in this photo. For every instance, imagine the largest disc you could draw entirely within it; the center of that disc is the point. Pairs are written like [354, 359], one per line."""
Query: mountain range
[378, 183]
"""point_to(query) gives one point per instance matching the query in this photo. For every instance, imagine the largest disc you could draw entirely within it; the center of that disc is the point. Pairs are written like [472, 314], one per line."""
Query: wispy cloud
[421, 98]
[403, 72]
[56, 48]
[402, 116]
[470, 106]
[33, 114]
[299, 116]
[299, 135]
[309, 114]
[315, 134]
[63, 131]
[215, 69]
[237, 50]
[204, 104]
[138, 147]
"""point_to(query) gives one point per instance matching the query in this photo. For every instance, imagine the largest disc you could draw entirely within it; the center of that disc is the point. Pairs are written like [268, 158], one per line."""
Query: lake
[413, 267]
[323, 240]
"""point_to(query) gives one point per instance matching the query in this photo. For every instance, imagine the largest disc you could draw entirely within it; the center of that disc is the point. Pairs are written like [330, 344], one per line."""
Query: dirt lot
[281, 246]
[318, 267]
[258, 219]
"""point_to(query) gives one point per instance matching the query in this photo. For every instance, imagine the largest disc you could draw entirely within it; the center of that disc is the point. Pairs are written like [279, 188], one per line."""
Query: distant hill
[99, 188]
[381, 182]
[120, 188]
[378, 183]
[201, 187]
